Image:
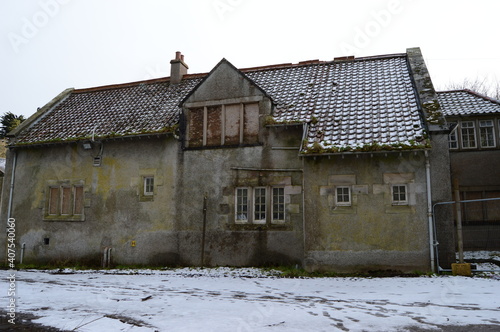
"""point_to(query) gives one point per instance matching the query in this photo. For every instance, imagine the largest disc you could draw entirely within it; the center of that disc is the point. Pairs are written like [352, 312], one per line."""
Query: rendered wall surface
[372, 233]
[114, 213]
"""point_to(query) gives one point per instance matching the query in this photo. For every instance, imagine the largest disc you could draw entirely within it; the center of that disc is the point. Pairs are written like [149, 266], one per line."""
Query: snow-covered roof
[466, 102]
[360, 104]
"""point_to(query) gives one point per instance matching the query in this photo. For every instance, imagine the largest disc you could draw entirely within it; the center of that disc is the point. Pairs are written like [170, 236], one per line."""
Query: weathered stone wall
[371, 233]
[115, 213]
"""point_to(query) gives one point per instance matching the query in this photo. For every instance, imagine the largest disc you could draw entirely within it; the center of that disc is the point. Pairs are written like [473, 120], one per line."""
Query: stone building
[330, 165]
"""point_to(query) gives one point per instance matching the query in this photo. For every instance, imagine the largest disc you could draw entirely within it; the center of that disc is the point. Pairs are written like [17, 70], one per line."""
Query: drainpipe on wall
[429, 210]
[11, 192]
[12, 177]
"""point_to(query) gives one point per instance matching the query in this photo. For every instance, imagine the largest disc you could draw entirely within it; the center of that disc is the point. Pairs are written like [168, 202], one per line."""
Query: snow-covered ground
[478, 256]
[227, 299]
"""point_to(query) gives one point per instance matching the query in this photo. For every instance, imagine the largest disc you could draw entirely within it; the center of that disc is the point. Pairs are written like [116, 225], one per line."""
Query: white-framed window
[260, 202]
[148, 185]
[343, 196]
[399, 193]
[487, 133]
[278, 201]
[453, 137]
[242, 201]
[468, 133]
[257, 205]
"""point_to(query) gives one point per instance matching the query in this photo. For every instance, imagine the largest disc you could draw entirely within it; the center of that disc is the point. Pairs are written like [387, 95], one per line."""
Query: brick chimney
[178, 68]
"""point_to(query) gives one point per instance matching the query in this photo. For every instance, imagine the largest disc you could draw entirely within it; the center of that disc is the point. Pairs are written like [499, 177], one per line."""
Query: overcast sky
[50, 45]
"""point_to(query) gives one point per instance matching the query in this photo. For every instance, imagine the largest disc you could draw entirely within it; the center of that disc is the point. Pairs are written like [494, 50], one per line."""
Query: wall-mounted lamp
[87, 145]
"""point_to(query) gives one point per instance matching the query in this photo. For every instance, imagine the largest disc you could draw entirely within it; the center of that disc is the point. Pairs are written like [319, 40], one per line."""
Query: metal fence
[480, 229]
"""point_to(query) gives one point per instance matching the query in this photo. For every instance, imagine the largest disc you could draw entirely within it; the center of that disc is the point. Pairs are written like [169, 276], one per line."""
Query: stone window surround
[251, 204]
[61, 185]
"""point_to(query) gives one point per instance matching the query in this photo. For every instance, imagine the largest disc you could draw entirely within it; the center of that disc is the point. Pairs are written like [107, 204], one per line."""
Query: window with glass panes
[278, 204]
[468, 134]
[242, 204]
[487, 133]
[260, 204]
[149, 184]
[399, 194]
[452, 137]
[343, 196]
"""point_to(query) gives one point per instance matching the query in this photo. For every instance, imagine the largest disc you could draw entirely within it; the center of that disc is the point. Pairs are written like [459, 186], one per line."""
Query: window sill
[258, 227]
[146, 198]
[394, 209]
[64, 218]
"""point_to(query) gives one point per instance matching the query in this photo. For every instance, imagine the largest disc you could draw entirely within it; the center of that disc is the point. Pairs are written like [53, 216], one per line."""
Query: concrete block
[396, 178]
[461, 269]
[293, 208]
[293, 190]
[326, 190]
[342, 179]
[380, 189]
[360, 189]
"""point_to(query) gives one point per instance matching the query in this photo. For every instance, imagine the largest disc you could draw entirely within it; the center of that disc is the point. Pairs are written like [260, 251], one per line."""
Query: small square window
[149, 184]
[399, 194]
[343, 196]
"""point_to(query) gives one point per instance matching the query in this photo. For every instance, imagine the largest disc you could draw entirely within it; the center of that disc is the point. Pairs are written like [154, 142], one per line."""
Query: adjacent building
[474, 143]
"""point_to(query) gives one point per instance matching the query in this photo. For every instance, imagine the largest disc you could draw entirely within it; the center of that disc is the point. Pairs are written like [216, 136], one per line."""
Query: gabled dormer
[227, 109]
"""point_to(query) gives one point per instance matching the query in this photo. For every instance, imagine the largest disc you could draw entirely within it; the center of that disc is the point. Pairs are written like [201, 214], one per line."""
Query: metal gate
[479, 236]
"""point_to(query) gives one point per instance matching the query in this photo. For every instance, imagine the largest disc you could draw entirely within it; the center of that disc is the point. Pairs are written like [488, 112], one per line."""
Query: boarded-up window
[214, 124]
[196, 116]
[53, 200]
[251, 125]
[219, 125]
[232, 124]
[79, 199]
[66, 203]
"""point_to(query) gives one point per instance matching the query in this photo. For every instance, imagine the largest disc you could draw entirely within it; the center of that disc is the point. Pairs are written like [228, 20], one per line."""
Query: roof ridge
[243, 70]
[135, 83]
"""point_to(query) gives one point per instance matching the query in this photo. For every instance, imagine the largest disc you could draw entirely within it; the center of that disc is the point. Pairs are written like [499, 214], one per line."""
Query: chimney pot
[178, 68]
